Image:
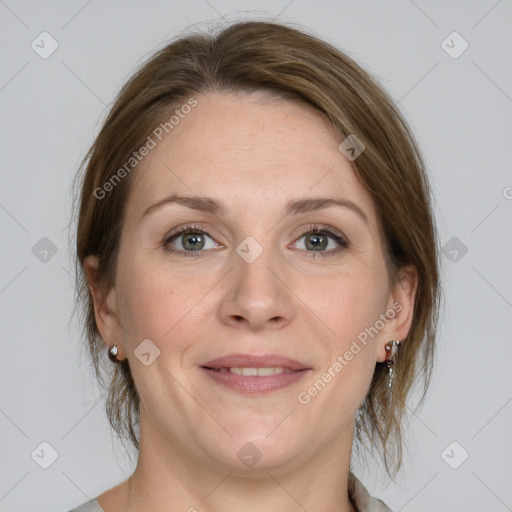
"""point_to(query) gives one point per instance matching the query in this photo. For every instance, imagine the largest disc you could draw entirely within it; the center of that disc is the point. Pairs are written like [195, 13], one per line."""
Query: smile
[253, 373]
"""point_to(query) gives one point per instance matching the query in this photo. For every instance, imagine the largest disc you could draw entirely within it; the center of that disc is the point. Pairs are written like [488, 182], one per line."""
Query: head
[247, 125]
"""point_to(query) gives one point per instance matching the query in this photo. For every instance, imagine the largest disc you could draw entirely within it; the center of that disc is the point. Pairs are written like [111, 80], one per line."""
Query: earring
[391, 351]
[112, 354]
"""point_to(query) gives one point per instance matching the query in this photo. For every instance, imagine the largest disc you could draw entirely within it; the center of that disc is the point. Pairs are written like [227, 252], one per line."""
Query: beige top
[360, 497]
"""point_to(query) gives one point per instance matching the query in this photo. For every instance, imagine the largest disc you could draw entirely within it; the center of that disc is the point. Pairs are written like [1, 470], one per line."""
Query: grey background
[460, 110]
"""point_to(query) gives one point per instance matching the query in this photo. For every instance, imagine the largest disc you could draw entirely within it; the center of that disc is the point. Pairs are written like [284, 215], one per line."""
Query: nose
[256, 295]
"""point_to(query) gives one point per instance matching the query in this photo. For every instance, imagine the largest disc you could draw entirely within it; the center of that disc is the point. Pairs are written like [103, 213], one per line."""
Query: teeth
[260, 372]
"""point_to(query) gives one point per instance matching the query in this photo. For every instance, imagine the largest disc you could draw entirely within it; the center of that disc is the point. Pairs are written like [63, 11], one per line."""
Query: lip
[255, 361]
[293, 371]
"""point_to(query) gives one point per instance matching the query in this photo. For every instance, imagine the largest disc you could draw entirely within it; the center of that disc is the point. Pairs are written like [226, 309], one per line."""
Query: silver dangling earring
[391, 351]
[112, 354]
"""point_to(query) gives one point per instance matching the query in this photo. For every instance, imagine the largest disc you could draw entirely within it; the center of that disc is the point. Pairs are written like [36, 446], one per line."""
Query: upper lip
[255, 361]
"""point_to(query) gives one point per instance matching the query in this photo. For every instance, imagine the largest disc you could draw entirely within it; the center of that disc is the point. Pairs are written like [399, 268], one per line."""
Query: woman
[257, 256]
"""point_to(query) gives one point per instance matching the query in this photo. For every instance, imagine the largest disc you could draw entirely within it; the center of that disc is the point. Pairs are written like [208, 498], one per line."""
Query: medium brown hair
[264, 56]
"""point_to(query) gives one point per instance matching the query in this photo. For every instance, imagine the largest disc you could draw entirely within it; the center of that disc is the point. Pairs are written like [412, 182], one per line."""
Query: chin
[257, 448]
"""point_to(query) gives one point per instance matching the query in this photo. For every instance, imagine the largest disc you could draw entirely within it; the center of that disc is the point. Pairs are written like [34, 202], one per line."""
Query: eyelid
[338, 236]
[185, 228]
[182, 230]
[323, 228]
[334, 233]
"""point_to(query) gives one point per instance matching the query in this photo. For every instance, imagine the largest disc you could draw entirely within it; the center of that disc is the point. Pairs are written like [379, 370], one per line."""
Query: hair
[263, 56]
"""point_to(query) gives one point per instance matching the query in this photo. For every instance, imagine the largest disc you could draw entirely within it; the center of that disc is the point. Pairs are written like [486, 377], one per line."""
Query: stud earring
[392, 352]
[112, 354]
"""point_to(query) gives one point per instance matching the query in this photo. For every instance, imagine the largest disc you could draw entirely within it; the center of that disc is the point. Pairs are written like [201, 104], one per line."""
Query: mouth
[255, 374]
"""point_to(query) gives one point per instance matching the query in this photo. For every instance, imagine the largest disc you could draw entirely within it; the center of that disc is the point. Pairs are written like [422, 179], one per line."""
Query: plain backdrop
[447, 66]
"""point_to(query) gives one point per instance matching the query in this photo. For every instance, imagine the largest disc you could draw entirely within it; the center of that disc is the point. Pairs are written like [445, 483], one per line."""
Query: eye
[188, 240]
[321, 241]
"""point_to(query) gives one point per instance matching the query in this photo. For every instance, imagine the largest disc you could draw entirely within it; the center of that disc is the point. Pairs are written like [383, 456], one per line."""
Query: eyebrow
[294, 207]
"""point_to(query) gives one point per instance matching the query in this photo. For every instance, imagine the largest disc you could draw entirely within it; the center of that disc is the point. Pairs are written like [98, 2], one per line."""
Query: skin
[254, 154]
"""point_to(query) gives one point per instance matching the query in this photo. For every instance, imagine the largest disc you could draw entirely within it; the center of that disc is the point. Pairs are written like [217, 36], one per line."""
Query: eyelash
[326, 230]
[188, 228]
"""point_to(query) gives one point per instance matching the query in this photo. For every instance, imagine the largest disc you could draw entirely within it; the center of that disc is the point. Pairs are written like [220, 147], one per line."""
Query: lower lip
[253, 383]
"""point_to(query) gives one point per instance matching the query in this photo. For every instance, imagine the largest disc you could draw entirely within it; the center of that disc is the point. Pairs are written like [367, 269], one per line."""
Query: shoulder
[90, 506]
[358, 493]
[362, 499]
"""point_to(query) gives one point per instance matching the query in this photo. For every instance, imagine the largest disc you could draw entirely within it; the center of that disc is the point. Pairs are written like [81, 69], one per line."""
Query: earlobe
[400, 309]
[104, 306]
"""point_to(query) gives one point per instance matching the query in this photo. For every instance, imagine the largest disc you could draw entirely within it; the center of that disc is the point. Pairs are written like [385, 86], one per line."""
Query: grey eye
[319, 242]
[316, 242]
[191, 241]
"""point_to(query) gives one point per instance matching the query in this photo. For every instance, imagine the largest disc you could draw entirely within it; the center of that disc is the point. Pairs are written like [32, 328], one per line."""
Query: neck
[167, 476]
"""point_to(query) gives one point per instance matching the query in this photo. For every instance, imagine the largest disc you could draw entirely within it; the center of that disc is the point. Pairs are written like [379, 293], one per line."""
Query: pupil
[316, 242]
[193, 241]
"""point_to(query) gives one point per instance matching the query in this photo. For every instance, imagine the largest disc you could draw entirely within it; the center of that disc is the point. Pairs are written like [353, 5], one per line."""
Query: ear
[399, 310]
[105, 308]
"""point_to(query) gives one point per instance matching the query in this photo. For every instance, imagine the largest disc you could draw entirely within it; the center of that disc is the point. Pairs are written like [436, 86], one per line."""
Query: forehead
[247, 150]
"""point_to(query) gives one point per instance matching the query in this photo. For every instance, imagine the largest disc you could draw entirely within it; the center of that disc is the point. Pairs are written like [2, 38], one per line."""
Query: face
[279, 266]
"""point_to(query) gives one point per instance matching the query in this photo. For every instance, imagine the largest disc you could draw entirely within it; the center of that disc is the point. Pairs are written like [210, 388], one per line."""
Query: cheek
[350, 306]
[350, 302]
[150, 301]
[165, 304]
